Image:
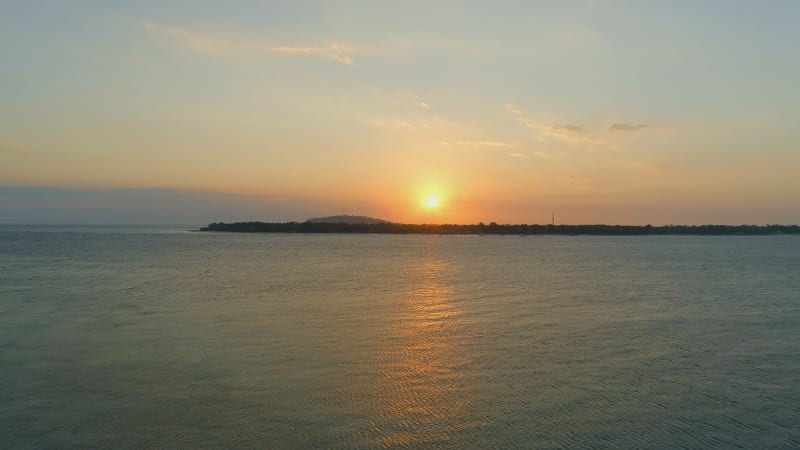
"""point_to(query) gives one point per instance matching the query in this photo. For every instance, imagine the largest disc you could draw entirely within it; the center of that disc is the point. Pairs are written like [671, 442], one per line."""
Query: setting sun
[431, 202]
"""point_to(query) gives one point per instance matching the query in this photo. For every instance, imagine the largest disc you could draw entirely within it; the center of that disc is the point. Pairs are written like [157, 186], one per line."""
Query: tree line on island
[498, 229]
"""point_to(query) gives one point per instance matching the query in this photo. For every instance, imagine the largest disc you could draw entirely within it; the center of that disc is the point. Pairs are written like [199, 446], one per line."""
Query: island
[377, 226]
[346, 218]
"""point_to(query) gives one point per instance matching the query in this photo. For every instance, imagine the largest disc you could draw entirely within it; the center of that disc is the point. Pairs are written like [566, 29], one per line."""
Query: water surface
[144, 338]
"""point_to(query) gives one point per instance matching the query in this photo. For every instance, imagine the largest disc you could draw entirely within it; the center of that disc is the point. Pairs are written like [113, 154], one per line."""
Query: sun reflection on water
[423, 398]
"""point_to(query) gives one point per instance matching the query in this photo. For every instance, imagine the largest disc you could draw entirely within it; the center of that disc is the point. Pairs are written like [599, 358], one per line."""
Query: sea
[160, 337]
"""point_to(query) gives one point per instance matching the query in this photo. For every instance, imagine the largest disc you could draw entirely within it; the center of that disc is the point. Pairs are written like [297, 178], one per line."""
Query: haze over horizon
[613, 112]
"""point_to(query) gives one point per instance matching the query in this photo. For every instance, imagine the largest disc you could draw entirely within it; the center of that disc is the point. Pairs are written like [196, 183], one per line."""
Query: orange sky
[504, 115]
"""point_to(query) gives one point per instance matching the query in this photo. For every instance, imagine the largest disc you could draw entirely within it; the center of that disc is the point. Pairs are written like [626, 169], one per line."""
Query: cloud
[196, 42]
[402, 110]
[412, 123]
[10, 151]
[216, 45]
[517, 155]
[495, 144]
[574, 134]
[336, 52]
[618, 126]
[543, 155]
[401, 98]
[569, 128]
[565, 132]
[394, 123]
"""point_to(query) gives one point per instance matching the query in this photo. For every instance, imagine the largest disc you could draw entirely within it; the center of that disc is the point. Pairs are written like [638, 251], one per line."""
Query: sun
[431, 202]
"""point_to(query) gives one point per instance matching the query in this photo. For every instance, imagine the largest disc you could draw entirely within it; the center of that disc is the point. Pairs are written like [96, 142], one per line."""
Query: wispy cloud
[10, 151]
[565, 132]
[336, 52]
[607, 137]
[401, 98]
[574, 129]
[517, 155]
[411, 123]
[495, 144]
[217, 45]
[400, 110]
[618, 126]
[543, 155]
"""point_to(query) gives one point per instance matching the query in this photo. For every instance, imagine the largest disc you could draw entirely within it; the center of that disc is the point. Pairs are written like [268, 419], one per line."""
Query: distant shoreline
[498, 229]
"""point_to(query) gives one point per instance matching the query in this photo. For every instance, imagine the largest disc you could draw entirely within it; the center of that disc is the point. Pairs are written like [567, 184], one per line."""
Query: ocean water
[162, 338]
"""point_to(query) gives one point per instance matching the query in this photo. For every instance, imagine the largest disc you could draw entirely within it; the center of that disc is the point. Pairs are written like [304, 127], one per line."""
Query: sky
[620, 112]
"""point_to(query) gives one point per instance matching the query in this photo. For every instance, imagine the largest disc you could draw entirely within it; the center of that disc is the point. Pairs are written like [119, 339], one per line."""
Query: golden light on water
[422, 382]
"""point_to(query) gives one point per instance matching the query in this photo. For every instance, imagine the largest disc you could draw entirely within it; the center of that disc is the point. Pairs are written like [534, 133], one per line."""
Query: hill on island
[345, 218]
